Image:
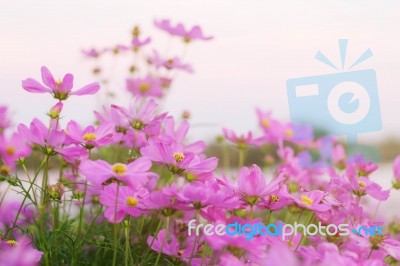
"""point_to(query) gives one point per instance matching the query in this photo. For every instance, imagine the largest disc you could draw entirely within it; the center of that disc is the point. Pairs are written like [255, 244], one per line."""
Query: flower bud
[55, 111]
[56, 191]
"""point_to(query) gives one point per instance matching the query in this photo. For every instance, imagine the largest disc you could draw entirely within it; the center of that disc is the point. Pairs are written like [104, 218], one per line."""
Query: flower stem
[302, 235]
[116, 228]
[195, 238]
[127, 244]
[163, 241]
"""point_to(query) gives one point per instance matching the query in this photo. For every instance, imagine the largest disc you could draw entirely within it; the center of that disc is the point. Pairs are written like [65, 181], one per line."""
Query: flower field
[131, 189]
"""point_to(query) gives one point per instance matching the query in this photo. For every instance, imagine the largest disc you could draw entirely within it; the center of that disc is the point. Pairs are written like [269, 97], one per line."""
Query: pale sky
[258, 45]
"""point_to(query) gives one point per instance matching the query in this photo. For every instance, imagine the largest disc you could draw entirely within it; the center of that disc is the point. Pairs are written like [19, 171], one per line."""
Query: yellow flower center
[131, 201]
[289, 133]
[58, 82]
[12, 243]
[119, 168]
[290, 243]
[179, 157]
[10, 151]
[265, 123]
[143, 86]
[89, 136]
[362, 184]
[274, 198]
[5, 170]
[306, 200]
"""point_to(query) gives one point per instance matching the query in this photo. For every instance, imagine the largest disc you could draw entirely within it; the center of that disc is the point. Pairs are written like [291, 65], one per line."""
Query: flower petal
[32, 85]
[91, 88]
[47, 77]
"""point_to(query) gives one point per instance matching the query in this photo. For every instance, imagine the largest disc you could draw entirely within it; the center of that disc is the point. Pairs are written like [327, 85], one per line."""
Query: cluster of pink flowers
[155, 173]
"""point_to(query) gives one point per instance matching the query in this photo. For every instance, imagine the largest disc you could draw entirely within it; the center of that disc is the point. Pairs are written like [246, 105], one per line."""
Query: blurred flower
[195, 33]
[13, 149]
[20, 253]
[144, 87]
[61, 89]
[5, 121]
[242, 141]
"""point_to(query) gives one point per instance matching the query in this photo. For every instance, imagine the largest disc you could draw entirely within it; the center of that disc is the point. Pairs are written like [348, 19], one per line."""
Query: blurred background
[257, 46]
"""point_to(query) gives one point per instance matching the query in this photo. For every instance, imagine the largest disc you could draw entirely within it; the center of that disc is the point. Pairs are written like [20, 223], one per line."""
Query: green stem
[4, 195]
[26, 195]
[127, 244]
[163, 241]
[116, 228]
[241, 157]
[196, 237]
[81, 209]
[43, 195]
[302, 235]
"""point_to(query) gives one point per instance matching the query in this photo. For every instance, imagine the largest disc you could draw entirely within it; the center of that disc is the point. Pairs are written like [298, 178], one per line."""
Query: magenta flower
[199, 195]
[170, 247]
[313, 200]
[135, 174]
[13, 149]
[92, 53]
[137, 43]
[144, 87]
[169, 64]
[242, 141]
[50, 139]
[89, 137]
[252, 187]
[60, 89]
[5, 121]
[122, 200]
[195, 33]
[396, 168]
[363, 186]
[143, 116]
[19, 252]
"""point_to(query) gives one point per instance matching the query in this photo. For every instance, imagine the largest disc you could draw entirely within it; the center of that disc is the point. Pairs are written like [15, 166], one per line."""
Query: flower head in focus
[60, 89]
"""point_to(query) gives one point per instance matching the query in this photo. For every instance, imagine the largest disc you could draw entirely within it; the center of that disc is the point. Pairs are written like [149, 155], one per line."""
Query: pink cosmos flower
[8, 212]
[89, 137]
[122, 200]
[61, 89]
[396, 168]
[55, 111]
[170, 247]
[144, 87]
[137, 43]
[252, 187]
[199, 195]
[92, 53]
[195, 33]
[39, 134]
[13, 149]
[135, 174]
[19, 253]
[5, 121]
[313, 200]
[177, 135]
[242, 141]
[143, 116]
[74, 155]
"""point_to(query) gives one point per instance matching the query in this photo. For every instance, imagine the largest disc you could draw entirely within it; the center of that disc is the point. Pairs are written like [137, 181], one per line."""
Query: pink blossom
[195, 33]
[396, 168]
[89, 137]
[242, 141]
[12, 149]
[5, 121]
[144, 87]
[19, 253]
[135, 174]
[313, 200]
[39, 134]
[122, 200]
[170, 247]
[137, 43]
[61, 89]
